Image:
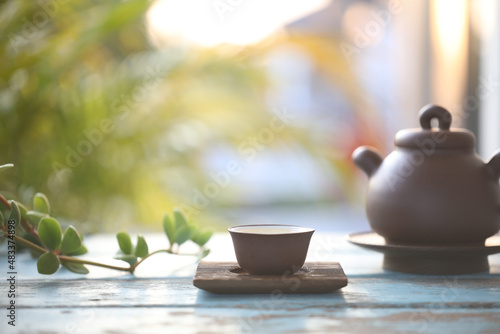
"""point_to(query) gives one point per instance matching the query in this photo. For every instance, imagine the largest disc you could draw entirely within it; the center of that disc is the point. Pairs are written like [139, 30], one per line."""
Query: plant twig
[169, 251]
[144, 258]
[27, 243]
[64, 258]
[5, 202]
[25, 224]
[30, 229]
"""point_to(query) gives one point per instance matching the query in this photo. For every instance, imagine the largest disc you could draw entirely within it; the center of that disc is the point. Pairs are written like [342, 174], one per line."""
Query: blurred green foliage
[110, 128]
[113, 130]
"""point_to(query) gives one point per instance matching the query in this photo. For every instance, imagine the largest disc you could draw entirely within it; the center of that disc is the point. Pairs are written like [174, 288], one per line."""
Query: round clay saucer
[432, 259]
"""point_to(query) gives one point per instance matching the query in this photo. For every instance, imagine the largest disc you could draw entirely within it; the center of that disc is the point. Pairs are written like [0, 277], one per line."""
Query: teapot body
[433, 188]
[438, 198]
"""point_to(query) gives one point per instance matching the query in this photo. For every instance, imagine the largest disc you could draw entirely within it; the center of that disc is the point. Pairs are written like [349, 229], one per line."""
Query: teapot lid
[442, 138]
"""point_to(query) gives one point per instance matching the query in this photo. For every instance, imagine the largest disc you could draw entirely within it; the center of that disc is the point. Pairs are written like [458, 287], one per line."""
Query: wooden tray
[228, 277]
[430, 259]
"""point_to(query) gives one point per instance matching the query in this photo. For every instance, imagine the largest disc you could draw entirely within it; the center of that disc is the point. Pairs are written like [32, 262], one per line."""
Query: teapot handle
[494, 164]
[431, 111]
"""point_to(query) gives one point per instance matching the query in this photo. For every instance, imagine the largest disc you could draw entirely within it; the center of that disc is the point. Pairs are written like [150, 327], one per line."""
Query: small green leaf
[47, 263]
[50, 233]
[41, 203]
[130, 259]
[80, 251]
[141, 249]
[34, 217]
[125, 243]
[15, 213]
[76, 267]
[72, 241]
[2, 220]
[183, 235]
[201, 238]
[180, 220]
[195, 235]
[204, 253]
[4, 167]
[169, 228]
[23, 210]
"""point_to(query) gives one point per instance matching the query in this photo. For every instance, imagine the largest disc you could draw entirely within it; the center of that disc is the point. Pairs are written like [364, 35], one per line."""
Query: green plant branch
[185, 254]
[54, 241]
[147, 256]
[30, 229]
[64, 258]
[169, 251]
[25, 224]
[27, 243]
[4, 202]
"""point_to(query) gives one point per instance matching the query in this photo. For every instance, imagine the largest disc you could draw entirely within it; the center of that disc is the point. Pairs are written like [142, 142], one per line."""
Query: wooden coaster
[228, 277]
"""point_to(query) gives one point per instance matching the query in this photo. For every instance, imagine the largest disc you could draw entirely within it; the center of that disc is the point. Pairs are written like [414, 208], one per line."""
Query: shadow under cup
[271, 249]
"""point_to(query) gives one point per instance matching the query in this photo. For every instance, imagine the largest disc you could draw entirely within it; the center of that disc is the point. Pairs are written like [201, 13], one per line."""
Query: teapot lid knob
[431, 111]
[445, 138]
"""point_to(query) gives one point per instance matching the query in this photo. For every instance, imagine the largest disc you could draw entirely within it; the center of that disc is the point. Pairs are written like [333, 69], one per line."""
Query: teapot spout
[494, 164]
[368, 159]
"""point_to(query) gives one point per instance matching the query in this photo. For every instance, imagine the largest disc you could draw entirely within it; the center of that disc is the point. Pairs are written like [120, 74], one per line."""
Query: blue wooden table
[162, 299]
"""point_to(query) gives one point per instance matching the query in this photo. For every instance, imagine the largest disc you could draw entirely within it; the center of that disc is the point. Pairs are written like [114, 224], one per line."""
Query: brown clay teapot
[433, 188]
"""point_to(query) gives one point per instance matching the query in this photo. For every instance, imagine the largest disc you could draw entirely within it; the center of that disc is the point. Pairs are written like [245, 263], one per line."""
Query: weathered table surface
[162, 299]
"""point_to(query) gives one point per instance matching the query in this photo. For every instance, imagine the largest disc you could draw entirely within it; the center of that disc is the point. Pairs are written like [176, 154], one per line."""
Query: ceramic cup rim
[299, 229]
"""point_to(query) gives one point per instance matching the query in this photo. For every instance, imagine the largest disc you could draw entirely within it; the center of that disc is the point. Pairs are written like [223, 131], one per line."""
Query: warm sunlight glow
[450, 18]
[209, 23]
[449, 28]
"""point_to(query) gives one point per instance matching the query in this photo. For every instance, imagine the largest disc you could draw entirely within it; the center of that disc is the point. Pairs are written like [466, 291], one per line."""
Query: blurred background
[235, 111]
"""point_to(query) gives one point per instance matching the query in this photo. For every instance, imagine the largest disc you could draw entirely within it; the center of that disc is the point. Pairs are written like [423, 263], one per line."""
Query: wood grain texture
[190, 320]
[228, 277]
[400, 304]
[374, 291]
